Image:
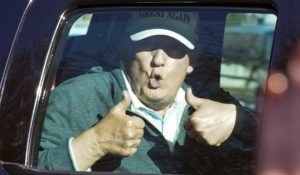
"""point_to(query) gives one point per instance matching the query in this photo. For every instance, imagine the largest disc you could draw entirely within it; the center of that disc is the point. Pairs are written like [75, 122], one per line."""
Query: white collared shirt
[168, 125]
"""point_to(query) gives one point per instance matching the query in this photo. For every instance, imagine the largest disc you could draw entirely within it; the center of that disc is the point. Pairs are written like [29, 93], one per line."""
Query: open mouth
[154, 81]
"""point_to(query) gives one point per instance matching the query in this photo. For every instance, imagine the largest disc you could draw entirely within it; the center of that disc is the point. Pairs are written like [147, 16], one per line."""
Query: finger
[193, 101]
[128, 151]
[125, 103]
[218, 144]
[198, 137]
[132, 143]
[203, 123]
[206, 131]
[133, 134]
[137, 122]
[212, 142]
[211, 138]
[139, 133]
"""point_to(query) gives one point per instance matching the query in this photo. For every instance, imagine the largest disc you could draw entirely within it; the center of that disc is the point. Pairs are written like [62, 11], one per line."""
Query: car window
[157, 90]
[246, 54]
[81, 25]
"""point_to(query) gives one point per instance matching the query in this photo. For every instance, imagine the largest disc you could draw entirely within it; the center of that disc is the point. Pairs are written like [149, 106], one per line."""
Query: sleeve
[72, 108]
[246, 126]
[72, 156]
[244, 134]
[54, 153]
[237, 154]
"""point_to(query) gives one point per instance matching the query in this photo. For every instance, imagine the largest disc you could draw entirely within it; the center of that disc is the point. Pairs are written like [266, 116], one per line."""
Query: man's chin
[155, 95]
[156, 102]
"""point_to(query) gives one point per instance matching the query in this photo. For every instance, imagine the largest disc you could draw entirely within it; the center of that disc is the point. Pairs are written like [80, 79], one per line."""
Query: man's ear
[189, 69]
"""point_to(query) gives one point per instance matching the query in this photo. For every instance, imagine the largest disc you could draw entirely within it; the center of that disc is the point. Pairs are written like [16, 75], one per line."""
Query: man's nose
[159, 58]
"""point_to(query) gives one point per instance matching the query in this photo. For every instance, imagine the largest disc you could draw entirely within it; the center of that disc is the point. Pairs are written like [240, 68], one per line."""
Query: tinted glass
[160, 126]
[247, 45]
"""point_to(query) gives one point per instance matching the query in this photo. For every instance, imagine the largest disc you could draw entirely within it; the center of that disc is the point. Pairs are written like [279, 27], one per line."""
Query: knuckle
[138, 142]
[135, 143]
[124, 152]
[138, 122]
[128, 151]
[129, 134]
[127, 144]
[132, 144]
[141, 134]
[132, 151]
[141, 122]
[129, 123]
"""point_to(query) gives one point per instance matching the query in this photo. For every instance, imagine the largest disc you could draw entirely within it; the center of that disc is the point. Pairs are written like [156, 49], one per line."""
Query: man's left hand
[212, 121]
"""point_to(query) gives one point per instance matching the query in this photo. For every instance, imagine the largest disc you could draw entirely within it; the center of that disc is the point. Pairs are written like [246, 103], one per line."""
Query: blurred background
[247, 48]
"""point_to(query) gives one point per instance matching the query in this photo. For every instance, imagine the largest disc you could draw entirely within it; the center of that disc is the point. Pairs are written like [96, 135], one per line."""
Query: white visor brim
[152, 32]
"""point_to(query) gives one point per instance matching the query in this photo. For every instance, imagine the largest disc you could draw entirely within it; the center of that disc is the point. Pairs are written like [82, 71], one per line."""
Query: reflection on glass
[81, 25]
[247, 47]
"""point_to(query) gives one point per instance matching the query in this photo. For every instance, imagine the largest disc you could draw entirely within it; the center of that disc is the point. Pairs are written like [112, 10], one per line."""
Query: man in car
[142, 117]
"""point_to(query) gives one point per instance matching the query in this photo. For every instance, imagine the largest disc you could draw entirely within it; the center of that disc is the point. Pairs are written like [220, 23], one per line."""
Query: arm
[116, 134]
[64, 119]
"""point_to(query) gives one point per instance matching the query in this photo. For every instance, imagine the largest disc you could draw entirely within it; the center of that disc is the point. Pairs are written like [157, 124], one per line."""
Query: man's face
[158, 70]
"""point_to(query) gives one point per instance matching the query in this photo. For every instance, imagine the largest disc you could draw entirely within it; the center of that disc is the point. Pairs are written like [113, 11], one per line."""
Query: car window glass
[157, 55]
[247, 48]
[81, 25]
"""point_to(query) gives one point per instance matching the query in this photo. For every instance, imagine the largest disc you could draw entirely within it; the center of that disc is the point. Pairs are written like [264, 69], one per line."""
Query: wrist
[85, 149]
[95, 140]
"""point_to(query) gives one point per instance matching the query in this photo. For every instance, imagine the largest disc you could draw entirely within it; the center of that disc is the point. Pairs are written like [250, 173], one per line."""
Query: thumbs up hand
[118, 133]
[212, 122]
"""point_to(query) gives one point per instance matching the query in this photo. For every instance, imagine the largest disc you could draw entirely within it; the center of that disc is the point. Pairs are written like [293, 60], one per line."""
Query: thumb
[192, 100]
[125, 103]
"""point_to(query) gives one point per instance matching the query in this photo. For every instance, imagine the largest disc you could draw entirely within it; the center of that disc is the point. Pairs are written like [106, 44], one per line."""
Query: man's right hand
[117, 133]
